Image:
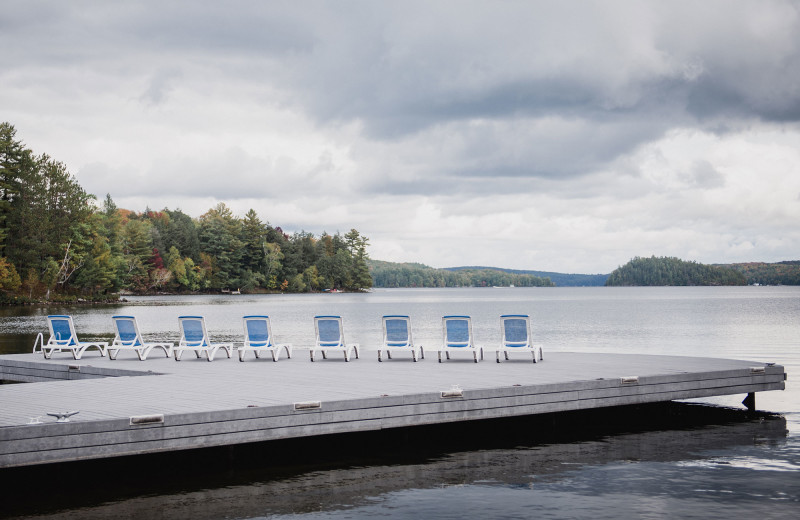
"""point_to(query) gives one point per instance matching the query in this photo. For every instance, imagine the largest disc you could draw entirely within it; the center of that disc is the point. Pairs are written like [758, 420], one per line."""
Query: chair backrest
[457, 331]
[257, 331]
[193, 331]
[516, 330]
[62, 330]
[328, 330]
[127, 331]
[397, 331]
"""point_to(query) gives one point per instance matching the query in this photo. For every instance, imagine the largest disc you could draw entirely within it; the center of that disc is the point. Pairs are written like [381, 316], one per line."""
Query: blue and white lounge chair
[397, 338]
[194, 337]
[457, 331]
[330, 337]
[258, 338]
[128, 337]
[63, 338]
[515, 332]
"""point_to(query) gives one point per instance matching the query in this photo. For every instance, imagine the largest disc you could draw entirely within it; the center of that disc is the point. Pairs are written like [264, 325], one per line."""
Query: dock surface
[129, 407]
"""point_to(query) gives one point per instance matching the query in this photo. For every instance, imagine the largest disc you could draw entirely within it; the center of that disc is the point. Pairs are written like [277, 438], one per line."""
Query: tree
[9, 278]
[15, 161]
[137, 248]
[357, 247]
[219, 237]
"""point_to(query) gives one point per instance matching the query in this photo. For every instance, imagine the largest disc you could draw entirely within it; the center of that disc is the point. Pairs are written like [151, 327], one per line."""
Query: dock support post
[750, 402]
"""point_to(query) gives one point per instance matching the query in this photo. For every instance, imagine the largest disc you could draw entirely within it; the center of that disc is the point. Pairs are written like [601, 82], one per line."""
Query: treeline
[655, 271]
[390, 274]
[56, 243]
[780, 273]
[558, 279]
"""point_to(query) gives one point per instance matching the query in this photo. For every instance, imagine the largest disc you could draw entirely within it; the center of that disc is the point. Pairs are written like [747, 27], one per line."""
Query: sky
[554, 136]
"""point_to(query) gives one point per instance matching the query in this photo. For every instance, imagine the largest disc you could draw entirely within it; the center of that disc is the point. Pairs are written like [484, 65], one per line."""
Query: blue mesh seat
[128, 337]
[194, 337]
[397, 337]
[63, 338]
[329, 336]
[258, 338]
[515, 332]
[457, 337]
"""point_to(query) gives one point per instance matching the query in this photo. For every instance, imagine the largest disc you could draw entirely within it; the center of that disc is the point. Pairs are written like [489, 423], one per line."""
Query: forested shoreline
[391, 274]
[661, 271]
[58, 244]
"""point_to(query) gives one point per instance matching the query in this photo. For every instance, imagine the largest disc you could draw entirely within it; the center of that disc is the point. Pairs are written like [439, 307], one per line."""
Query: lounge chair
[63, 338]
[397, 338]
[330, 337]
[258, 338]
[515, 330]
[128, 337]
[194, 337]
[457, 331]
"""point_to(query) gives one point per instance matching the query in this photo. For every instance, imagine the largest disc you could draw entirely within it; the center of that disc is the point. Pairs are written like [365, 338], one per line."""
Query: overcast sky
[559, 136]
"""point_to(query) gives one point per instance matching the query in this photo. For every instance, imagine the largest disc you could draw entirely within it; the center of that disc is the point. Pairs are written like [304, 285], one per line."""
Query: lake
[708, 469]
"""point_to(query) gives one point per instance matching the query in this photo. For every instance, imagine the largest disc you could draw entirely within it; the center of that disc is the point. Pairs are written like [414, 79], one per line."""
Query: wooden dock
[129, 407]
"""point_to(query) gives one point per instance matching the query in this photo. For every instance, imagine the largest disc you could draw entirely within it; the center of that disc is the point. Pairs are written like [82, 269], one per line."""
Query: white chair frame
[399, 346]
[57, 343]
[449, 346]
[137, 343]
[258, 347]
[340, 345]
[507, 346]
[199, 346]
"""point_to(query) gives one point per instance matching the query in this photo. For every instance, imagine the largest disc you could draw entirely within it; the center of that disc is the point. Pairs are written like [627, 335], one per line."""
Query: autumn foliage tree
[55, 240]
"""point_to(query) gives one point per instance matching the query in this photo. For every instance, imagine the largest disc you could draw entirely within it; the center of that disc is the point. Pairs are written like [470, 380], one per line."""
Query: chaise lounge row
[258, 338]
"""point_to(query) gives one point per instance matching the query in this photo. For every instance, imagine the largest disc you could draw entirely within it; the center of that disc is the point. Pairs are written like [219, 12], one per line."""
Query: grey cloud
[159, 87]
[704, 175]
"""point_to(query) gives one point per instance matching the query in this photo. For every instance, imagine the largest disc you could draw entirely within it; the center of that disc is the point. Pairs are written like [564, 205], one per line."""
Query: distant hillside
[560, 279]
[659, 271]
[391, 274]
[780, 273]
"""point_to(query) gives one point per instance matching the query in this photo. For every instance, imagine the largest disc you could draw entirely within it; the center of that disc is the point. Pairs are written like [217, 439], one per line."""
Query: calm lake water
[728, 469]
